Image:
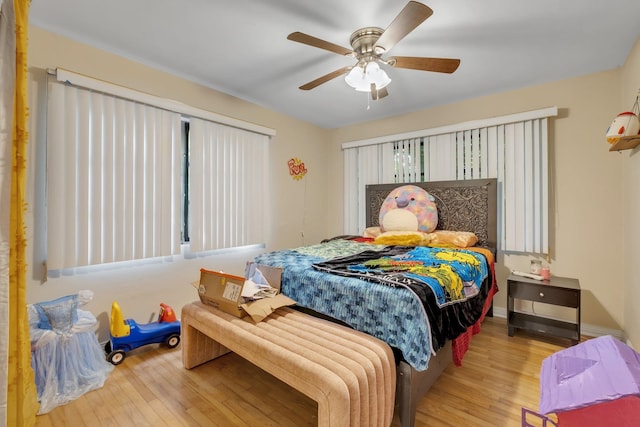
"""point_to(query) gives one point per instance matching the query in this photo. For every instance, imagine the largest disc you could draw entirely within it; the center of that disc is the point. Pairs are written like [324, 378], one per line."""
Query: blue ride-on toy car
[127, 335]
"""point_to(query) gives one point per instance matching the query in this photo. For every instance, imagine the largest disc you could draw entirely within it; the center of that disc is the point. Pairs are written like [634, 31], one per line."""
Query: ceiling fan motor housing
[363, 42]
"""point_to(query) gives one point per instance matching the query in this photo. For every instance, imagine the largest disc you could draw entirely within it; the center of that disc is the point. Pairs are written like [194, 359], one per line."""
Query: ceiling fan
[369, 44]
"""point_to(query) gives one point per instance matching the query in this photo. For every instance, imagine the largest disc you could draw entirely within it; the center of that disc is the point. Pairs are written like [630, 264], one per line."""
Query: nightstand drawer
[545, 293]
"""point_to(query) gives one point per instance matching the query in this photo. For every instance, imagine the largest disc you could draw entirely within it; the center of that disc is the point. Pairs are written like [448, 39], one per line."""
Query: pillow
[371, 232]
[403, 238]
[59, 314]
[460, 239]
[414, 209]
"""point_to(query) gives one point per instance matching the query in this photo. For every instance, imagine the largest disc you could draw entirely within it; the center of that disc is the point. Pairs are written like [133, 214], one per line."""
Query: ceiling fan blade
[320, 80]
[316, 42]
[439, 65]
[378, 94]
[408, 19]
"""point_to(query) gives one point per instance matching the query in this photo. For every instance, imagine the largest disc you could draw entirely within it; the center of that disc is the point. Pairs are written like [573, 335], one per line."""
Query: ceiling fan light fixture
[361, 78]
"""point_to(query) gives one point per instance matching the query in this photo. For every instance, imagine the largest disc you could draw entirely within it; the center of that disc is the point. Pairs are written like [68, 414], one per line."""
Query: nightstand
[560, 291]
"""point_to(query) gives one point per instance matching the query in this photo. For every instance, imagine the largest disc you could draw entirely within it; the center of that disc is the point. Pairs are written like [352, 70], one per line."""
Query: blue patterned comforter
[395, 315]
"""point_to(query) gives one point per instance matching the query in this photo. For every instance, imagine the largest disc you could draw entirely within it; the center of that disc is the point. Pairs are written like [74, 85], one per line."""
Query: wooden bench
[351, 375]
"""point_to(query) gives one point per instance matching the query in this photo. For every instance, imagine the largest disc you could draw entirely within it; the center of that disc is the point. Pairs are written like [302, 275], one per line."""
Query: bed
[424, 339]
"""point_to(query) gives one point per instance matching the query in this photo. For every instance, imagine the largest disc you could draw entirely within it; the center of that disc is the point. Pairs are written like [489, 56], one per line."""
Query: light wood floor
[151, 388]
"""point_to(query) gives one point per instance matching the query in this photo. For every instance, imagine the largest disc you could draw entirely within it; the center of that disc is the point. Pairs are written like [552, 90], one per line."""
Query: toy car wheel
[173, 340]
[116, 357]
[107, 347]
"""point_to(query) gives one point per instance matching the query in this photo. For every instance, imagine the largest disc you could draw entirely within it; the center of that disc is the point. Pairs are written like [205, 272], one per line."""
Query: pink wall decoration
[297, 169]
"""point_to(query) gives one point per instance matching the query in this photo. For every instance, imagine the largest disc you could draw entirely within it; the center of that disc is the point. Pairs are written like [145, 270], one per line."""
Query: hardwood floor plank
[499, 375]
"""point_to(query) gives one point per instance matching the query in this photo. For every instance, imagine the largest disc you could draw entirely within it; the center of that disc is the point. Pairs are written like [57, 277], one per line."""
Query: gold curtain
[22, 399]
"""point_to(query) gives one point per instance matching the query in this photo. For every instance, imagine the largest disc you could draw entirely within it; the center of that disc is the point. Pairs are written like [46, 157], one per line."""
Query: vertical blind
[513, 149]
[362, 166]
[113, 179]
[407, 159]
[116, 174]
[228, 186]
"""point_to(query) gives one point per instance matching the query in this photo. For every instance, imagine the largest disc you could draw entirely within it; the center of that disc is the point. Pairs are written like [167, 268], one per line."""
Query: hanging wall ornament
[297, 168]
[626, 124]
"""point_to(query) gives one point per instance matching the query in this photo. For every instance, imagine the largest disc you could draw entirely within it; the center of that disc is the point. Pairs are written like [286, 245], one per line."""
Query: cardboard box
[221, 290]
[224, 291]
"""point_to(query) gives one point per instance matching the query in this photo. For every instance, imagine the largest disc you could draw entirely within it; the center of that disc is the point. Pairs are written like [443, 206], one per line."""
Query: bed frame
[469, 205]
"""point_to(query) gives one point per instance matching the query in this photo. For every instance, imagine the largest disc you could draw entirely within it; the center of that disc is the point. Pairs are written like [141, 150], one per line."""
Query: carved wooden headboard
[469, 205]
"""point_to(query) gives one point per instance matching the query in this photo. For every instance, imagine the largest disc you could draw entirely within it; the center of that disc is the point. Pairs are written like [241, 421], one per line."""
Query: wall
[630, 88]
[586, 196]
[294, 215]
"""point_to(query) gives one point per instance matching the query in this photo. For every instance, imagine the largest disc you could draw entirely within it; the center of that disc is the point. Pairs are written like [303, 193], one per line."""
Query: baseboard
[585, 329]
[597, 331]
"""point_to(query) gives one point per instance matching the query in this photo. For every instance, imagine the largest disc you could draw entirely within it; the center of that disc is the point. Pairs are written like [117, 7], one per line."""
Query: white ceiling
[240, 47]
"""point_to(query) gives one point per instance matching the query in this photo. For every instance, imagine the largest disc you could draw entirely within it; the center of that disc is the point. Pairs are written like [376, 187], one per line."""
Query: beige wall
[586, 205]
[297, 207]
[630, 251]
[592, 209]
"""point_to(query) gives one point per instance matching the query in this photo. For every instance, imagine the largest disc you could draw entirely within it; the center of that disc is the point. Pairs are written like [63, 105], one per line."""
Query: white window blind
[228, 186]
[373, 166]
[113, 179]
[513, 149]
[408, 165]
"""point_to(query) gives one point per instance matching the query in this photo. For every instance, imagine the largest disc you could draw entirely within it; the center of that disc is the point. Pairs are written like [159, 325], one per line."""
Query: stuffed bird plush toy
[408, 208]
[407, 217]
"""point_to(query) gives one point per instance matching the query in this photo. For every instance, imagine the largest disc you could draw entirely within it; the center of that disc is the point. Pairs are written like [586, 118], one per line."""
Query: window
[512, 149]
[113, 179]
[129, 180]
[227, 186]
